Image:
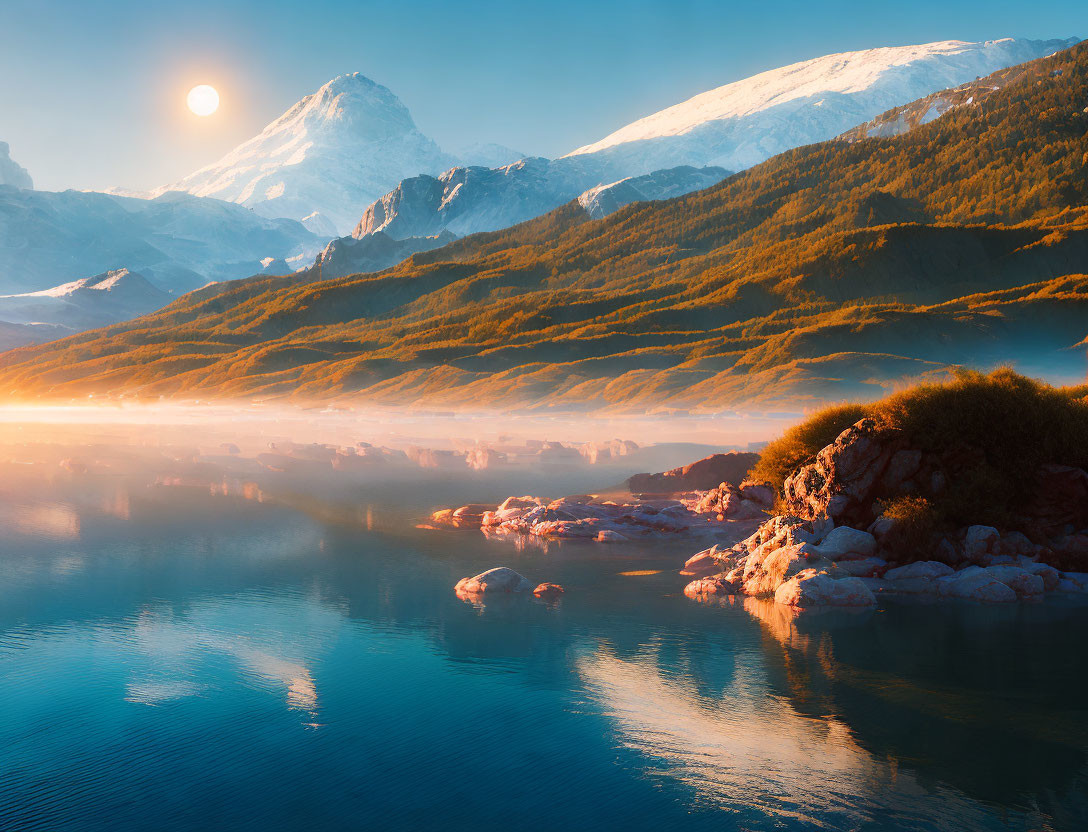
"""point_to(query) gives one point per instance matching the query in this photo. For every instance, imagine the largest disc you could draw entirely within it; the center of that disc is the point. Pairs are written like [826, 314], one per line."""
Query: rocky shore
[877, 512]
[832, 545]
[711, 514]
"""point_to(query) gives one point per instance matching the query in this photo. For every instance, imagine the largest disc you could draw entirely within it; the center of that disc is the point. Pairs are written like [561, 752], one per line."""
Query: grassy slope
[990, 432]
[825, 273]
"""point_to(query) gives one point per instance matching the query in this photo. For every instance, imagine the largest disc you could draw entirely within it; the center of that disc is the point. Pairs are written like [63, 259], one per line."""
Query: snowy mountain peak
[333, 152]
[12, 173]
[740, 124]
[118, 281]
[352, 104]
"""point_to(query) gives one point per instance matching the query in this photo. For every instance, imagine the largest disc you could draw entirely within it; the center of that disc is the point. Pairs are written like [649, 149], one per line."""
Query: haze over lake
[187, 634]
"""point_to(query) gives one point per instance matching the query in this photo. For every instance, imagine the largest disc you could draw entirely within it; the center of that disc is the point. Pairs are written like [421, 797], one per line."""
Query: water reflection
[755, 755]
[272, 640]
[187, 632]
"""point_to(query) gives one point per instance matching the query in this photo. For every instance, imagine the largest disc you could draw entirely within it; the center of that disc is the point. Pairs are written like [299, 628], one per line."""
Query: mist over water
[209, 621]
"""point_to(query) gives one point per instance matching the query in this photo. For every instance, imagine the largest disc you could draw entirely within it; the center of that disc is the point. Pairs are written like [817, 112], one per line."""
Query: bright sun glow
[203, 100]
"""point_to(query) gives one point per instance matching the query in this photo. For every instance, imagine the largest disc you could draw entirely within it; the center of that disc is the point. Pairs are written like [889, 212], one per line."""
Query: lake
[292, 656]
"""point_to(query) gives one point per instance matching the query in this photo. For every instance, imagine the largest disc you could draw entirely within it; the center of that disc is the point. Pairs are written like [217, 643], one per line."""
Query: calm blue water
[172, 660]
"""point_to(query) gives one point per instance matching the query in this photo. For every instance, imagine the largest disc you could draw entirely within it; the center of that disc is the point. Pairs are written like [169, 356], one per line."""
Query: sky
[92, 94]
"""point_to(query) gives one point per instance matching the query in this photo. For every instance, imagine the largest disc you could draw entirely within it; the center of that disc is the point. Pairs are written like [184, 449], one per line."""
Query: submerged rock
[499, 579]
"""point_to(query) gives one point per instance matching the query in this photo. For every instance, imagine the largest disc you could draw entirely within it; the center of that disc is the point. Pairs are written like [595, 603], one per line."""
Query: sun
[203, 100]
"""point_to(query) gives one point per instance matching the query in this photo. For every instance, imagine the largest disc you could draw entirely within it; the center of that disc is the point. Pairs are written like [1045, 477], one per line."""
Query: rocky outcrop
[707, 473]
[834, 547]
[749, 501]
[466, 200]
[865, 461]
[710, 586]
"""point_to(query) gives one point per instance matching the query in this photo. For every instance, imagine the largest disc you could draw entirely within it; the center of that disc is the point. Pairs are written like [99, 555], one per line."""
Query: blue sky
[92, 93]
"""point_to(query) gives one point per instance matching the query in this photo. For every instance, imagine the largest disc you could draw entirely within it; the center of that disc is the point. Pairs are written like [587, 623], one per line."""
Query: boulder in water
[499, 579]
[711, 586]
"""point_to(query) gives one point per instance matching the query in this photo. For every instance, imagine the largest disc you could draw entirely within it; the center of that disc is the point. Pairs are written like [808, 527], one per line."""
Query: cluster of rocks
[589, 517]
[833, 548]
[503, 579]
[805, 563]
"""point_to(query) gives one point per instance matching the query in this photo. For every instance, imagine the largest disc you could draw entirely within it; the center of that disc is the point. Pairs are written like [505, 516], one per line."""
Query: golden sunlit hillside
[833, 271]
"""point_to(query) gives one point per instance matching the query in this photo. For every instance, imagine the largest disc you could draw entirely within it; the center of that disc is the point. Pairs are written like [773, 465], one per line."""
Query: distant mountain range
[466, 200]
[831, 271]
[726, 129]
[37, 317]
[177, 241]
[84, 304]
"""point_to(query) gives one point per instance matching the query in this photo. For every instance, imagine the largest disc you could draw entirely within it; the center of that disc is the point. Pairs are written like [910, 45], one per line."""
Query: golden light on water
[203, 100]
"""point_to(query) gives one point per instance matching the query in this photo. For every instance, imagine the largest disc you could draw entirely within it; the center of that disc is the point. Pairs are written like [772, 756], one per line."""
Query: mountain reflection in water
[187, 645]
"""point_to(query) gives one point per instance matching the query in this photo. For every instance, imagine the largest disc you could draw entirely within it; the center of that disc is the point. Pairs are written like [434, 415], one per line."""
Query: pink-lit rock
[548, 590]
[810, 588]
[710, 586]
[499, 579]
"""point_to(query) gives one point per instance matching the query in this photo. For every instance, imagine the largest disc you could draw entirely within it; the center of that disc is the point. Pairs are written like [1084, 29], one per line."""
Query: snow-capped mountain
[732, 127]
[12, 173]
[741, 124]
[177, 241]
[334, 152]
[85, 304]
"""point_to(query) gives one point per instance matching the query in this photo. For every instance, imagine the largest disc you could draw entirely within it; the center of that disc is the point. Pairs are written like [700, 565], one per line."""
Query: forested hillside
[831, 271]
